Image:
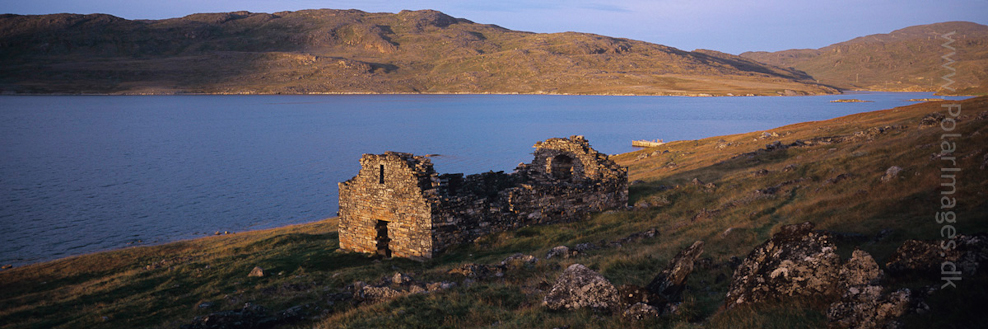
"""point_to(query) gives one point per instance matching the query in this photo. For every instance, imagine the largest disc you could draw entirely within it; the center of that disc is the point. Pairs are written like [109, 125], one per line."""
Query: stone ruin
[398, 206]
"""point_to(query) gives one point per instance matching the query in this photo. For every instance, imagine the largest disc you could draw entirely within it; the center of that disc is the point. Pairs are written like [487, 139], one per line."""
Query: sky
[730, 26]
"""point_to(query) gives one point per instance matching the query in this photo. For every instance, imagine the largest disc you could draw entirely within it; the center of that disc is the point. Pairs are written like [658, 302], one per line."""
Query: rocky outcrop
[863, 303]
[670, 282]
[866, 307]
[797, 261]
[580, 287]
[860, 270]
[964, 254]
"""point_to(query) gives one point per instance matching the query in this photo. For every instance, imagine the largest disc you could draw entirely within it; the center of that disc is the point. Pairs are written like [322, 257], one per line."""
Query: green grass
[161, 286]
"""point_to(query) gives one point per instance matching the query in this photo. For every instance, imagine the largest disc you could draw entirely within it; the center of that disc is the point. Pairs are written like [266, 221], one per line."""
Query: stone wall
[398, 198]
[428, 213]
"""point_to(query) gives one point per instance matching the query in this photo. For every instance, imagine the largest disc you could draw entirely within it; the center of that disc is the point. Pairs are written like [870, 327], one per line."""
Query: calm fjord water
[86, 173]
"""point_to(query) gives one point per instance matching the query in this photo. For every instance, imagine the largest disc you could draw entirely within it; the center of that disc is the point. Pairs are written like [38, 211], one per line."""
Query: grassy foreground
[741, 197]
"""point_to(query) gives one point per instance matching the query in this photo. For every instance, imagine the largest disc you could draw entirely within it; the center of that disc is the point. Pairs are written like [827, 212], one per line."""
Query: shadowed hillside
[343, 51]
[904, 60]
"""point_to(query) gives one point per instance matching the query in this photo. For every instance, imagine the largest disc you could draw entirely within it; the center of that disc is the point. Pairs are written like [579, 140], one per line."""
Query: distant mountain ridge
[908, 59]
[350, 51]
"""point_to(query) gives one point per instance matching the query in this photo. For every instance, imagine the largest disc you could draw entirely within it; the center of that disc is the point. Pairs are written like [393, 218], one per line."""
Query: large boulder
[580, 287]
[797, 261]
[670, 282]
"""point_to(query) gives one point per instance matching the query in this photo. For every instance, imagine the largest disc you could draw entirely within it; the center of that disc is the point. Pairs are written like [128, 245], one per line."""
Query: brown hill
[342, 51]
[904, 60]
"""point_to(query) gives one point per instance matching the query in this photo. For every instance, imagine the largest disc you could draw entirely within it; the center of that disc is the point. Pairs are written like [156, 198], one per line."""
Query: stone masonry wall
[566, 181]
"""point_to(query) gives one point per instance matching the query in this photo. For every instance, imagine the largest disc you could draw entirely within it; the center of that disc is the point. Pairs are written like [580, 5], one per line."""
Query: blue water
[80, 174]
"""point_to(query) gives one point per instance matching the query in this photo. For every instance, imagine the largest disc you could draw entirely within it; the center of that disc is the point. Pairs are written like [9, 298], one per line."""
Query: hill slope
[314, 51]
[904, 60]
[743, 192]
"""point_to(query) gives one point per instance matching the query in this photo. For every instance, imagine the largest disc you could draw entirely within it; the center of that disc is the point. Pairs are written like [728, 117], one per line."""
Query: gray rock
[256, 272]
[398, 278]
[519, 259]
[641, 311]
[558, 251]
[795, 262]
[672, 280]
[891, 174]
[580, 287]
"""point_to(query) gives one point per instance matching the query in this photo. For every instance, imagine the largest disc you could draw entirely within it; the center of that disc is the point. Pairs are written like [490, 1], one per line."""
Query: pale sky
[723, 25]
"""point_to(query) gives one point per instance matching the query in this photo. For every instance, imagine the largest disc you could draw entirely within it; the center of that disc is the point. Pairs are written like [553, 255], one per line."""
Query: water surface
[87, 173]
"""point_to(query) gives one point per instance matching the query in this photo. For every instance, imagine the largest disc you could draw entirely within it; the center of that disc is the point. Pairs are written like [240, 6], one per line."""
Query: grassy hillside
[340, 51]
[742, 194]
[903, 60]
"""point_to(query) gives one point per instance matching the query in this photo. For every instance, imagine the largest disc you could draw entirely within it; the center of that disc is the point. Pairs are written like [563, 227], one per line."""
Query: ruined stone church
[398, 206]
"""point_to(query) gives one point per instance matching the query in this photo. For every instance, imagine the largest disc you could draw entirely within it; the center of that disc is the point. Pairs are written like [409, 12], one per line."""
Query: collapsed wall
[397, 205]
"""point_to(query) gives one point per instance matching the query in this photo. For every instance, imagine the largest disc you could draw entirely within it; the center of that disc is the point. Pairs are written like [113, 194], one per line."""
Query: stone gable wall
[400, 201]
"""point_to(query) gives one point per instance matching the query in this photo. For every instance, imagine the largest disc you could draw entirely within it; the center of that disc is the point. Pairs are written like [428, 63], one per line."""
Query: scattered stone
[982, 116]
[579, 287]
[891, 173]
[727, 231]
[795, 261]
[584, 247]
[372, 293]
[866, 307]
[789, 167]
[436, 286]
[761, 172]
[931, 120]
[476, 271]
[519, 259]
[671, 282]
[652, 201]
[399, 279]
[776, 145]
[696, 182]
[636, 182]
[256, 272]
[559, 251]
[641, 311]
